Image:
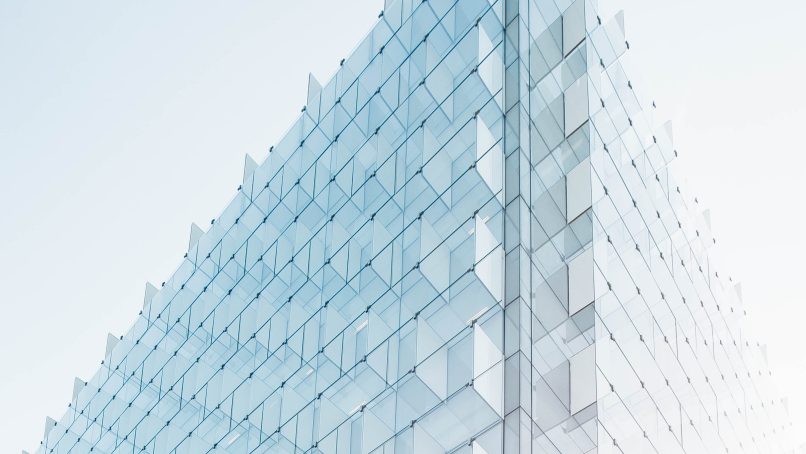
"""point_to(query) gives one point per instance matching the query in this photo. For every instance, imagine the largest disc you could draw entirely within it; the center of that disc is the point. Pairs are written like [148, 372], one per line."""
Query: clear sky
[123, 122]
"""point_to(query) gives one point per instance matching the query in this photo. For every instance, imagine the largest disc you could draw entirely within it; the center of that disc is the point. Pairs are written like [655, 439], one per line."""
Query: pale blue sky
[123, 122]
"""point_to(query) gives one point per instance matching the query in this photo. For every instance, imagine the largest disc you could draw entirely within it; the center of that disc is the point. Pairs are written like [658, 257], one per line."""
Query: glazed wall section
[676, 368]
[349, 299]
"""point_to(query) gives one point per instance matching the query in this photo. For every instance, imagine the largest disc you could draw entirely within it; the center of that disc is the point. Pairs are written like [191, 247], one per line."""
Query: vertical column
[550, 385]
[517, 329]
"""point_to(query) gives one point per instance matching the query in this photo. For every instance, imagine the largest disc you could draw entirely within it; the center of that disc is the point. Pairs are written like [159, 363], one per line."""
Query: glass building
[469, 242]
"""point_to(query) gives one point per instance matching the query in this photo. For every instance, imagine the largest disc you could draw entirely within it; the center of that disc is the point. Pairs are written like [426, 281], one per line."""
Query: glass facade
[469, 242]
